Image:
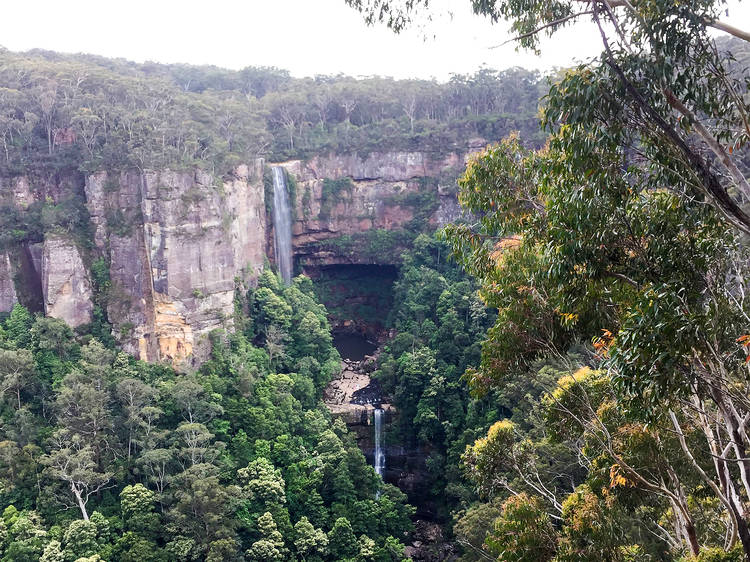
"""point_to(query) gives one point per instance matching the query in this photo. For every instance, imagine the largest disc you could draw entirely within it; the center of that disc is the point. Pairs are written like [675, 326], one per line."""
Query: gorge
[246, 315]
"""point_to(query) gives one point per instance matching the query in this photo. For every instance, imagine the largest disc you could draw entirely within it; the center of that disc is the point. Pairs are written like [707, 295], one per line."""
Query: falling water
[379, 454]
[282, 225]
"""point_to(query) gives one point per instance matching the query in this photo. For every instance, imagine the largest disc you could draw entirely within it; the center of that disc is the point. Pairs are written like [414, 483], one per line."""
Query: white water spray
[282, 225]
[379, 461]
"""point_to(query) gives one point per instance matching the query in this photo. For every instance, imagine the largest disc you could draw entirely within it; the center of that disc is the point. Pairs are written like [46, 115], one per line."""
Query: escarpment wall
[164, 250]
[343, 203]
[174, 247]
[177, 245]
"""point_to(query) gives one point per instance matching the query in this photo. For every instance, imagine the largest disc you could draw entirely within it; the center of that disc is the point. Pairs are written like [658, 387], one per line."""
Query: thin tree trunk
[81, 503]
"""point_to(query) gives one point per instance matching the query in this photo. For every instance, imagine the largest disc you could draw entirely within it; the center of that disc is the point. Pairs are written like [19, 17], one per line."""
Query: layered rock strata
[177, 244]
[345, 195]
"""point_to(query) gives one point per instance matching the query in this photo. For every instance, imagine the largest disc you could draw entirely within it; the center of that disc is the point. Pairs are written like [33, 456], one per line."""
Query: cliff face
[175, 245]
[8, 296]
[340, 198]
[65, 282]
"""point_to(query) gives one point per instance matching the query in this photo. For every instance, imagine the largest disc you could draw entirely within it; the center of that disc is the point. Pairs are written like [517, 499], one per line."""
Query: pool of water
[353, 346]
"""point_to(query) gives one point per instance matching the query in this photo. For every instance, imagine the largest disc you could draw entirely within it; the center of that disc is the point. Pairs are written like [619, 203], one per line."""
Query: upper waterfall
[282, 225]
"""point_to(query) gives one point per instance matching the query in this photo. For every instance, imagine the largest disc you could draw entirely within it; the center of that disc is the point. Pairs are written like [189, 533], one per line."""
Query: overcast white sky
[307, 37]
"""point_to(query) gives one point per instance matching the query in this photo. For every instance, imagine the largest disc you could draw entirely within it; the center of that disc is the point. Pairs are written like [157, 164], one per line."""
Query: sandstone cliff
[8, 296]
[66, 286]
[340, 196]
[176, 244]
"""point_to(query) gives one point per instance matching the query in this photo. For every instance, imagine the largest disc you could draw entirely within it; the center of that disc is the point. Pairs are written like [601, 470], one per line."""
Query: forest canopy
[581, 390]
[106, 458]
[90, 113]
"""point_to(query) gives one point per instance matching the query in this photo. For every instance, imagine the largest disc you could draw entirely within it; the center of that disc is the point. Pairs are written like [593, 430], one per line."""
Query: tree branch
[548, 25]
[709, 181]
[712, 143]
[726, 28]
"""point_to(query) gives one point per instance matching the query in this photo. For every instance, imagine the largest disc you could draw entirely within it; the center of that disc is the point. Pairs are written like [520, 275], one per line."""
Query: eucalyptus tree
[627, 229]
[16, 373]
[661, 87]
[654, 278]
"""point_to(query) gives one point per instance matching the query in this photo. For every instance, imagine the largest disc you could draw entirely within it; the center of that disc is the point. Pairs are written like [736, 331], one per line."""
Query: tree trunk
[742, 530]
[81, 503]
[692, 537]
[738, 443]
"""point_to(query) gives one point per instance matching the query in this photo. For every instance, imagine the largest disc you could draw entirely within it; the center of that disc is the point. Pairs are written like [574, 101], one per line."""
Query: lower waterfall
[379, 461]
[282, 225]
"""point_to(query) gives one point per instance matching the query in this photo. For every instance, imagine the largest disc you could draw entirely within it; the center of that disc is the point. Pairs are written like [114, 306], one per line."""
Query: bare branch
[559, 21]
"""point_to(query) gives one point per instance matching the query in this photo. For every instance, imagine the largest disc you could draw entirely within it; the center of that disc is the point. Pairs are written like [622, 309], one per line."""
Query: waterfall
[379, 461]
[282, 225]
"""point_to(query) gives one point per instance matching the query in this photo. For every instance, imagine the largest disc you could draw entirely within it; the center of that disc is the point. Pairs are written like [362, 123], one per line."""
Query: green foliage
[439, 322]
[100, 328]
[364, 292]
[423, 205]
[271, 544]
[472, 526]
[291, 186]
[623, 234]
[237, 459]
[588, 533]
[268, 190]
[374, 246]
[715, 554]
[524, 532]
[310, 543]
[155, 116]
[18, 326]
[137, 504]
[341, 540]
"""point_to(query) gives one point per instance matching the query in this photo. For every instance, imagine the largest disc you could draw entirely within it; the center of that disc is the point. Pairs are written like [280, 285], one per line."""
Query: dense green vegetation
[583, 396]
[616, 461]
[86, 112]
[377, 245]
[617, 260]
[363, 293]
[439, 323]
[106, 458]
